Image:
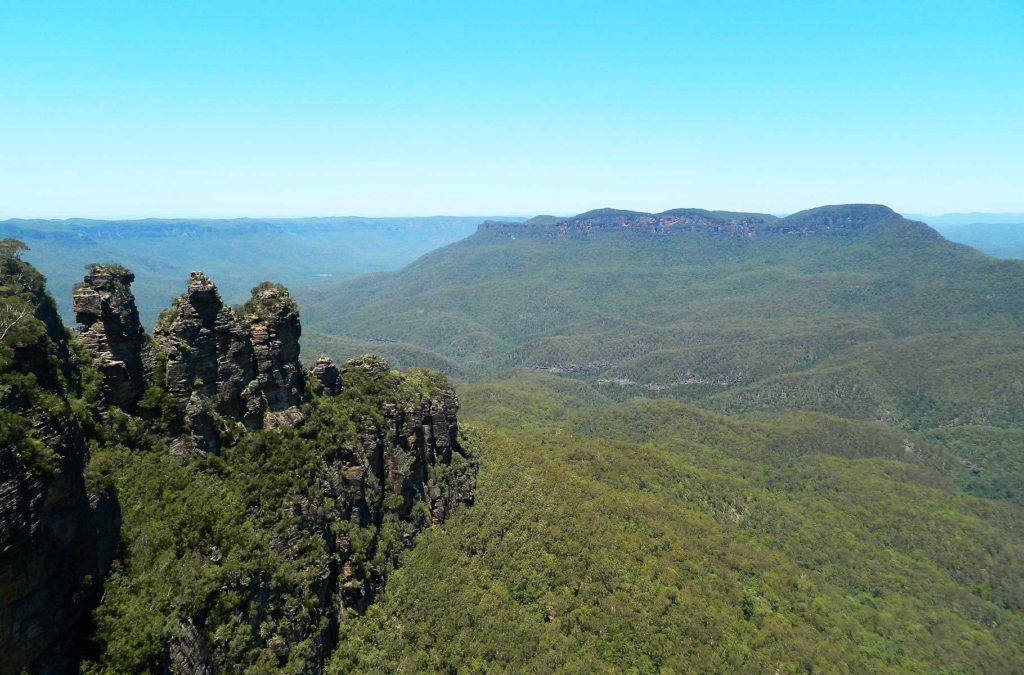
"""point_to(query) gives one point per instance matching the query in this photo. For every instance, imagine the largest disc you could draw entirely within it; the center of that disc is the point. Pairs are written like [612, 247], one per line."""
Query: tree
[12, 248]
[10, 316]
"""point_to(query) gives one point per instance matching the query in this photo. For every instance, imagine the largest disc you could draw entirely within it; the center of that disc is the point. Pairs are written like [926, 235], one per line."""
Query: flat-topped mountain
[197, 499]
[515, 287]
[850, 310]
[843, 219]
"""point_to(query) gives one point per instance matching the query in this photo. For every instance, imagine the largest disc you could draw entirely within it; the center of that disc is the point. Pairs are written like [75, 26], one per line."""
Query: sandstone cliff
[57, 534]
[273, 321]
[825, 220]
[335, 470]
[105, 308]
[210, 365]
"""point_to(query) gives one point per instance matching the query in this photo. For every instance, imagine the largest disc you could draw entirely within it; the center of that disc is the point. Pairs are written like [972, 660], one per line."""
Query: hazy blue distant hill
[998, 234]
[237, 253]
[949, 219]
[1003, 240]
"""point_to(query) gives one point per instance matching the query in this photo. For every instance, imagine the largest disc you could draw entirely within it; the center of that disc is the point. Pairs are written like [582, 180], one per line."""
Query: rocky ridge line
[824, 220]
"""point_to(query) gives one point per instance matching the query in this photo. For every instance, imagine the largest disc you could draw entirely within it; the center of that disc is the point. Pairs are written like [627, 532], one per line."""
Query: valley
[851, 311]
[714, 366]
[239, 253]
[644, 442]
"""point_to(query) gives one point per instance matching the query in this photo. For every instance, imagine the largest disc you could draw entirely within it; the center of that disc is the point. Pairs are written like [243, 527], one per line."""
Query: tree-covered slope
[584, 296]
[247, 561]
[58, 530]
[849, 310]
[649, 535]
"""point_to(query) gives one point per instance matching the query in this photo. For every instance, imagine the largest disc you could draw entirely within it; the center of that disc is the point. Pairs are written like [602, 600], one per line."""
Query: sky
[217, 109]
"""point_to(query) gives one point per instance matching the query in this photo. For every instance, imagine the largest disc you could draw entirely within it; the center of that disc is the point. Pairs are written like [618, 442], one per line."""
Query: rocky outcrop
[111, 331]
[210, 365]
[326, 375]
[273, 321]
[426, 435]
[374, 458]
[411, 469]
[825, 220]
[188, 653]
[229, 372]
[387, 465]
[57, 534]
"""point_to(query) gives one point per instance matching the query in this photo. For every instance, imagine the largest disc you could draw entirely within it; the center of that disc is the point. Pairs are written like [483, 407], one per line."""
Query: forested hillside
[847, 310]
[651, 536]
[697, 441]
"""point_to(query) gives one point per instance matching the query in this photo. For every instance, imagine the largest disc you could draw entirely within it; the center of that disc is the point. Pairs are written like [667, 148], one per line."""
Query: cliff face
[273, 322]
[57, 535]
[105, 308]
[326, 376]
[210, 365]
[409, 468]
[330, 505]
[323, 478]
[232, 371]
[825, 220]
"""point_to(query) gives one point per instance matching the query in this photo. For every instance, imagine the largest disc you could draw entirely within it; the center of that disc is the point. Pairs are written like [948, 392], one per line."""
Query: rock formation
[327, 375]
[57, 534]
[380, 451]
[825, 220]
[210, 365]
[411, 468]
[273, 321]
[111, 331]
[229, 372]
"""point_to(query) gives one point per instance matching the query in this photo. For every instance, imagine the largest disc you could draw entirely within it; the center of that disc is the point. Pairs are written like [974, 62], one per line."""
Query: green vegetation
[268, 298]
[885, 322]
[36, 376]
[241, 544]
[697, 452]
[650, 535]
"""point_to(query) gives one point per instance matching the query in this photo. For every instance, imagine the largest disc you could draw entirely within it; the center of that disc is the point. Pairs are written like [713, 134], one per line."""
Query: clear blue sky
[311, 108]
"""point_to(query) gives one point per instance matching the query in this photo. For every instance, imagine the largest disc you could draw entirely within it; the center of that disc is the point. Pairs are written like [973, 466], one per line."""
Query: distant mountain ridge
[839, 219]
[113, 228]
[240, 252]
[849, 310]
[969, 218]
[859, 374]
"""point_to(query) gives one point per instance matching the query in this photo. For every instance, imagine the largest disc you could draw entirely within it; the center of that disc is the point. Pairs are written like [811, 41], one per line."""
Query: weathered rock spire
[327, 374]
[210, 364]
[111, 331]
[272, 318]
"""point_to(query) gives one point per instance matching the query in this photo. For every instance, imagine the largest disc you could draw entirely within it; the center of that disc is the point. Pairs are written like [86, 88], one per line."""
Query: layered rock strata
[382, 451]
[105, 308]
[411, 468]
[326, 375]
[57, 533]
[272, 318]
[210, 365]
[825, 220]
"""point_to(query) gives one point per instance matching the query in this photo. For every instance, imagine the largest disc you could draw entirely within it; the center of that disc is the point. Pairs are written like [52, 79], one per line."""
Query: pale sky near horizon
[188, 109]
